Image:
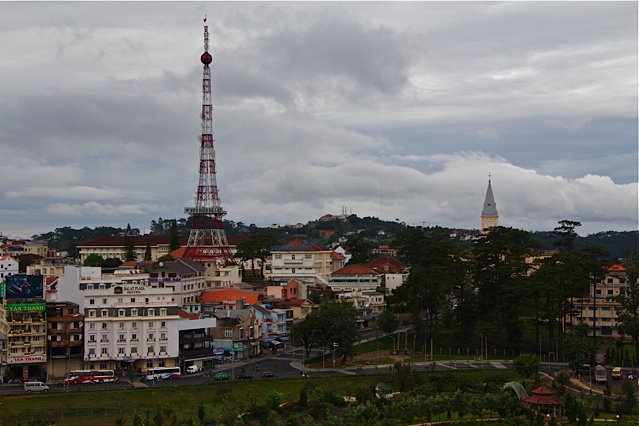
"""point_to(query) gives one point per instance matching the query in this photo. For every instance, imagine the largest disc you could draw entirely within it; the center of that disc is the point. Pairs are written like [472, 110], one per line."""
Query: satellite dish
[161, 264]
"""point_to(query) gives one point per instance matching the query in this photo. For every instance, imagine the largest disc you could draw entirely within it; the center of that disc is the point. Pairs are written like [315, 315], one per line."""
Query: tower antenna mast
[207, 240]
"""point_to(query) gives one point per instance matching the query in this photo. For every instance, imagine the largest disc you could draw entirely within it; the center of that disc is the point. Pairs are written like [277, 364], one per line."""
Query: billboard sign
[26, 307]
[23, 286]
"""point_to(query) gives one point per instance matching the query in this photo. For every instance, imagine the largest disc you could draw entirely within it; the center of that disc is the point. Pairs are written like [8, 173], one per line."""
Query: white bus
[600, 374]
[163, 373]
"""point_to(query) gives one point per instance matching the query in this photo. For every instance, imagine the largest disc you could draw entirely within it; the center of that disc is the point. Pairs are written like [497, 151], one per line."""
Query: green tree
[526, 364]
[93, 259]
[387, 322]
[565, 234]
[174, 242]
[575, 349]
[147, 251]
[111, 262]
[333, 323]
[129, 246]
[403, 377]
[501, 275]
[359, 248]
[201, 412]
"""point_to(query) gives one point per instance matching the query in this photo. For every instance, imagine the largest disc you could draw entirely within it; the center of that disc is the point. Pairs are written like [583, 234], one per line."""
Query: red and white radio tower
[207, 240]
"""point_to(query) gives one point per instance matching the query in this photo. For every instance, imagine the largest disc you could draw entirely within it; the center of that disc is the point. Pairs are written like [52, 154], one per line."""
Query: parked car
[35, 387]
[243, 376]
[268, 374]
[192, 369]
[221, 375]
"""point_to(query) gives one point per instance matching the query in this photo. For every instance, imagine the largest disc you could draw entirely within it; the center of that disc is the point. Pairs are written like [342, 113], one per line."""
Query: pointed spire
[490, 206]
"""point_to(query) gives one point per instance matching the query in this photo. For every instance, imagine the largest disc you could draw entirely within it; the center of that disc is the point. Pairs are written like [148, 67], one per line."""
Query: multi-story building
[384, 250]
[65, 330]
[114, 247]
[274, 330]
[27, 338]
[303, 261]
[600, 309]
[238, 332]
[393, 272]
[8, 266]
[368, 304]
[18, 248]
[354, 278]
[196, 340]
[129, 326]
[48, 267]
[184, 276]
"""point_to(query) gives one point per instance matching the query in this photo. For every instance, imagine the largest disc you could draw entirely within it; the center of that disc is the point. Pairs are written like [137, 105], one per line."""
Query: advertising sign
[2, 290]
[24, 359]
[23, 286]
[26, 307]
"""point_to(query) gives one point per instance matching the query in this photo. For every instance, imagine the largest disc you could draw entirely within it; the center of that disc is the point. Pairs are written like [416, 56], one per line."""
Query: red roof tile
[355, 269]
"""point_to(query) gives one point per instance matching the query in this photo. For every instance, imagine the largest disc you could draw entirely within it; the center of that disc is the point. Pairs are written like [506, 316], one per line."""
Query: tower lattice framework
[207, 240]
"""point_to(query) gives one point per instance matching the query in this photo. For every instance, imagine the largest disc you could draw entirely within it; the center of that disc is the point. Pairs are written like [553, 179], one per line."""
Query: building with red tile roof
[354, 277]
[305, 261]
[394, 272]
[230, 296]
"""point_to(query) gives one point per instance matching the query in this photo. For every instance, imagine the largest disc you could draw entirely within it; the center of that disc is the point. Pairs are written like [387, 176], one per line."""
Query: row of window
[133, 351]
[122, 337]
[122, 312]
[122, 325]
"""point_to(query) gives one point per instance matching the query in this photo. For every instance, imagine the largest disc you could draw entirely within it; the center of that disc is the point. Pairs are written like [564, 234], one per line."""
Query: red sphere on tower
[206, 58]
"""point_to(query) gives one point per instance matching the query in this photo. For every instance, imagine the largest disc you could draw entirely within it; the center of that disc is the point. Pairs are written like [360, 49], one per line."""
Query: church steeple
[489, 215]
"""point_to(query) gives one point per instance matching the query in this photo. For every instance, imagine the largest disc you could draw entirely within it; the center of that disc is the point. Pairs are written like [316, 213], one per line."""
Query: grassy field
[83, 407]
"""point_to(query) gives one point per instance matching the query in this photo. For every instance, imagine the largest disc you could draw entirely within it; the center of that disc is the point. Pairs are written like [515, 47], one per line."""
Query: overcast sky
[396, 110]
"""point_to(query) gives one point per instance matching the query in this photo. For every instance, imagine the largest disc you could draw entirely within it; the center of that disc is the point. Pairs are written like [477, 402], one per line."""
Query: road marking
[498, 365]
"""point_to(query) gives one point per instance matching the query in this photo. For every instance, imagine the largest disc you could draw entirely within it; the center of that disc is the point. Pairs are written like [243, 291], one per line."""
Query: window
[104, 326]
[134, 324]
[120, 300]
[92, 351]
[121, 338]
[133, 300]
[91, 301]
[278, 256]
[149, 350]
[104, 301]
[91, 326]
[105, 313]
[163, 324]
[134, 312]
[609, 291]
[163, 312]
[120, 351]
[104, 338]
[149, 363]
[162, 363]
[228, 333]
[121, 325]
[163, 349]
[134, 349]
[103, 365]
[151, 312]
[162, 336]
[150, 338]
[104, 351]
[151, 324]
[121, 313]
[308, 256]
[92, 313]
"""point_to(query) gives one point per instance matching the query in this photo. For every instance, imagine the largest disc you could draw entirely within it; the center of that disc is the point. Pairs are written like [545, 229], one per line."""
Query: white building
[130, 326]
[303, 261]
[354, 278]
[8, 266]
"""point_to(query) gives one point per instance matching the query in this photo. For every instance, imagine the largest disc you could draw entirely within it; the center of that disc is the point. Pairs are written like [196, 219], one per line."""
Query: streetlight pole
[303, 355]
[481, 346]
[421, 299]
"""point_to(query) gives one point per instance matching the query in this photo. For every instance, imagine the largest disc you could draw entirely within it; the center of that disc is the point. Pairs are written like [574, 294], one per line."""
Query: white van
[191, 369]
[35, 387]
